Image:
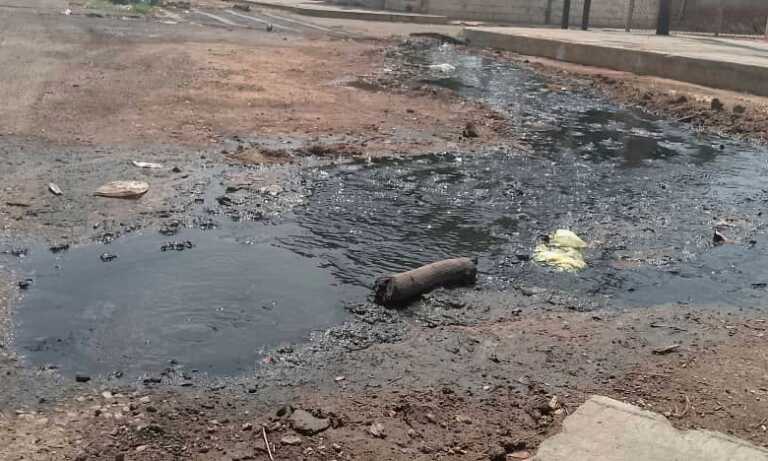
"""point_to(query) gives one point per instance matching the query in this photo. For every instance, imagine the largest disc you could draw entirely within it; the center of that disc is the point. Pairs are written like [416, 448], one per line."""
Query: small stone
[305, 423]
[377, 430]
[716, 105]
[107, 395]
[431, 418]
[470, 131]
[463, 419]
[497, 453]
[247, 427]
[291, 440]
[739, 109]
[336, 446]
[82, 378]
[141, 448]
[339, 378]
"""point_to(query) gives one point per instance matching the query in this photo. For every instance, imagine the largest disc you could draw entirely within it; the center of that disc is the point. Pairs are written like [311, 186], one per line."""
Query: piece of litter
[273, 190]
[445, 67]
[122, 189]
[666, 349]
[564, 252]
[147, 165]
[67, 12]
[55, 190]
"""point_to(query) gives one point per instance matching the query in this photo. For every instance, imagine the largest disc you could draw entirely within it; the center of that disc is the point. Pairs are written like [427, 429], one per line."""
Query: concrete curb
[716, 74]
[354, 14]
[603, 429]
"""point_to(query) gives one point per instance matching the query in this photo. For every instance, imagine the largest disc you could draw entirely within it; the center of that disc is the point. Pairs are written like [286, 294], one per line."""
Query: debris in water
[564, 252]
[270, 27]
[55, 190]
[123, 189]
[107, 257]
[177, 246]
[718, 238]
[445, 67]
[59, 248]
[398, 289]
[19, 252]
[67, 12]
[149, 165]
[272, 189]
[26, 283]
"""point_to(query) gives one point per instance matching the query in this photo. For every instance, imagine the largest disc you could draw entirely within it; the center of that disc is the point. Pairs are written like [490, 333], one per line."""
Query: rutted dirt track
[464, 374]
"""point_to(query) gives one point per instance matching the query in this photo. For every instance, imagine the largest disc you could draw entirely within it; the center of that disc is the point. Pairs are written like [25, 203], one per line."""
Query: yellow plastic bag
[564, 252]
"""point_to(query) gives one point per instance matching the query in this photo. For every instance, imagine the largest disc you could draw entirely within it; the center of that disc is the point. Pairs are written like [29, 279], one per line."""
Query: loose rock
[123, 189]
[497, 453]
[305, 423]
[291, 440]
[377, 430]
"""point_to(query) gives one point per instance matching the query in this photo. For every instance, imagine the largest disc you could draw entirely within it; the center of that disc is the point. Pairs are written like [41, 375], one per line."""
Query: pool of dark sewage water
[644, 192]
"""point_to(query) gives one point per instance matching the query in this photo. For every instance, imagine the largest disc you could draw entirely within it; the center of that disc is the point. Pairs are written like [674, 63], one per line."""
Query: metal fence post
[766, 29]
[719, 19]
[566, 14]
[548, 13]
[662, 28]
[630, 13]
[585, 15]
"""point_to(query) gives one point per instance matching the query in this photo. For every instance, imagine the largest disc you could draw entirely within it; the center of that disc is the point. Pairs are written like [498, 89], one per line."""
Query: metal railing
[718, 17]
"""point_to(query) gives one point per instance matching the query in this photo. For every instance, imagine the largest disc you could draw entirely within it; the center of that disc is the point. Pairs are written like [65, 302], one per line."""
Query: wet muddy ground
[236, 288]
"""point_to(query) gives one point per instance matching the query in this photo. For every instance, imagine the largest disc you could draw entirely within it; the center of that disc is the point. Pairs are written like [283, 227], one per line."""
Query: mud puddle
[645, 193]
[203, 302]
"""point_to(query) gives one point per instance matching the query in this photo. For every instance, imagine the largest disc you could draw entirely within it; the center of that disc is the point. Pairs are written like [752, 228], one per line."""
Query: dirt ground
[489, 379]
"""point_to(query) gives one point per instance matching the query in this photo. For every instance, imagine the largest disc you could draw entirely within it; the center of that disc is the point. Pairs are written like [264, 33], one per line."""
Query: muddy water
[212, 307]
[645, 193]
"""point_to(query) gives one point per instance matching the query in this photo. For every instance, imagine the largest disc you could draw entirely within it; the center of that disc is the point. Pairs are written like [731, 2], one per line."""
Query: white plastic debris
[123, 189]
[55, 190]
[563, 252]
[147, 165]
[67, 12]
[445, 67]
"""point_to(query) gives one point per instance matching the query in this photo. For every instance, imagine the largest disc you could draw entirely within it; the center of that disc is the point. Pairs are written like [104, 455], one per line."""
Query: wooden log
[397, 289]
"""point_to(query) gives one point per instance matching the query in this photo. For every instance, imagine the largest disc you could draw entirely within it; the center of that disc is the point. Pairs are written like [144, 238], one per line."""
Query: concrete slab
[608, 430]
[321, 9]
[730, 64]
